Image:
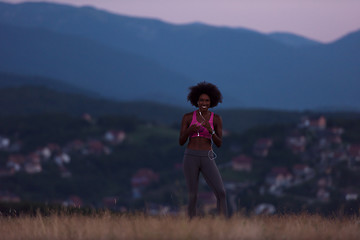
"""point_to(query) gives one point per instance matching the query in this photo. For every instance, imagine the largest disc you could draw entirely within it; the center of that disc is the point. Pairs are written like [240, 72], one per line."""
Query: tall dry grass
[107, 226]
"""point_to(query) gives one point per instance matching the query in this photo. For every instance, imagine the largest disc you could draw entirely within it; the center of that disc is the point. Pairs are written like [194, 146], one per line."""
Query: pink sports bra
[203, 132]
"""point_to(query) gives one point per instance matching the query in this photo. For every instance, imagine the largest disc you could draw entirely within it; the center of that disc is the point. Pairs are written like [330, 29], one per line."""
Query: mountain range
[126, 58]
[51, 97]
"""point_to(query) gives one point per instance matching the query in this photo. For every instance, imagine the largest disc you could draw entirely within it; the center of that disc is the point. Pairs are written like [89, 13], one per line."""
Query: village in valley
[316, 174]
[320, 151]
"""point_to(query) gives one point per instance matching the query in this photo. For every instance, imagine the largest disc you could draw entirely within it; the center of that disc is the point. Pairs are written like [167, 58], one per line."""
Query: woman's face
[204, 102]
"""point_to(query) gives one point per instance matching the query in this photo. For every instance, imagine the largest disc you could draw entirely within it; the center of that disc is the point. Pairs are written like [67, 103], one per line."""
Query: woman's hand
[206, 125]
[193, 129]
[187, 129]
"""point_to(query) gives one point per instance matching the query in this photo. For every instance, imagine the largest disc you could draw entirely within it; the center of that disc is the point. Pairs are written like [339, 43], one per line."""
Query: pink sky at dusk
[321, 20]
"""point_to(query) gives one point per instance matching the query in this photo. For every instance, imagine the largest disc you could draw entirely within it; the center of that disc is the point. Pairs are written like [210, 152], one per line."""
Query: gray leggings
[196, 161]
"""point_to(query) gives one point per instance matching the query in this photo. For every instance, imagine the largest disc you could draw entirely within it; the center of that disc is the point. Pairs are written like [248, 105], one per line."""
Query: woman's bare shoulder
[217, 118]
[187, 115]
[187, 118]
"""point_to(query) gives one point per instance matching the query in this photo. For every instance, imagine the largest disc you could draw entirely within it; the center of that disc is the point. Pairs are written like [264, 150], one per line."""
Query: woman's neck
[203, 112]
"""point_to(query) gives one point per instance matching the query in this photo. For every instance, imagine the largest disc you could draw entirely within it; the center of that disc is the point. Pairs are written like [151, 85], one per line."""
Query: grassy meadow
[108, 226]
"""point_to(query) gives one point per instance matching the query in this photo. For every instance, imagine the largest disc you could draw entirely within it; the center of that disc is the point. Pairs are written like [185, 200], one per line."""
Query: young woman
[202, 128]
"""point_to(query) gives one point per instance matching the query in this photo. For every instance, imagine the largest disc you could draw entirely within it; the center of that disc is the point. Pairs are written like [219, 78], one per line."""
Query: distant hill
[8, 80]
[89, 65]
[252, 69]
[34, 100]
[293, 39]
[31, 100]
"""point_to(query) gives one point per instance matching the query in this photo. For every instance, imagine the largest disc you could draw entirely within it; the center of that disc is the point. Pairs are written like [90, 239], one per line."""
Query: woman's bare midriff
[199, 143]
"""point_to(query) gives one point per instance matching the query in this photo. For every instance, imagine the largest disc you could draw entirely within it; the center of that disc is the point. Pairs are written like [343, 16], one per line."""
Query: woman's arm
[217, 136]
[185, 130]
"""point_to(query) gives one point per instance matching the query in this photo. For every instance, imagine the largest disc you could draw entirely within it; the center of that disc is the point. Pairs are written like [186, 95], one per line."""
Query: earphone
[211, 151]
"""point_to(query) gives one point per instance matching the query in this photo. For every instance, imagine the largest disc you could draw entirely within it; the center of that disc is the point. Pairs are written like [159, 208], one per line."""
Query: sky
[320, 20]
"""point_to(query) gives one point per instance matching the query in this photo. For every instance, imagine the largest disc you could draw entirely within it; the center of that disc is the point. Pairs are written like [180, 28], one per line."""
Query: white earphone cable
[211, 154]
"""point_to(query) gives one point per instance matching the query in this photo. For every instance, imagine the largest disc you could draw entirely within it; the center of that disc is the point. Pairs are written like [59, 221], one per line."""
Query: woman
[202, 128]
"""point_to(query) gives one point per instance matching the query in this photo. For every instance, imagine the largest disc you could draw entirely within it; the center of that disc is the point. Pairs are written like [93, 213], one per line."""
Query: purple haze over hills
[320, 20]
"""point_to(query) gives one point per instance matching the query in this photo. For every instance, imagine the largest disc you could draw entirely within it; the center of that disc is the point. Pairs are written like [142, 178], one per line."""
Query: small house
[141, 179]
[242, 163]
[313, 123]
[296, 143]
[115, 136]
[302, 170]
[32, 167]
[4, 143]
[323, 195]
[15, 161]
[279, 176]
[354, 152]
[262, 146]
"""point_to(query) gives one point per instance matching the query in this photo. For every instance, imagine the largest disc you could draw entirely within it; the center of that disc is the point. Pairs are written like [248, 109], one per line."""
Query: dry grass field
[107, 226]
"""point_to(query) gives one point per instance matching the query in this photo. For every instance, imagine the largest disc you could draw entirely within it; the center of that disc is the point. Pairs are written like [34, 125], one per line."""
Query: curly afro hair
[209, 89]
